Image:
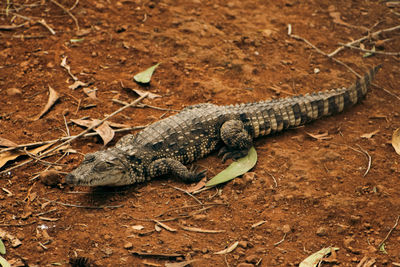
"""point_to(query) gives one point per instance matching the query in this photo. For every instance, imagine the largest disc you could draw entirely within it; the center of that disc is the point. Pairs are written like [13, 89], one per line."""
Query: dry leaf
[369, 135]
[15, 242]
[104, 130]
[7, 143]
[197, 186]
[53, 97]
[91, 93]
[142, 93]
[396, 140]
[130, 85]
[229, 249]
[11, 155]
[323, 136]
[77, 84]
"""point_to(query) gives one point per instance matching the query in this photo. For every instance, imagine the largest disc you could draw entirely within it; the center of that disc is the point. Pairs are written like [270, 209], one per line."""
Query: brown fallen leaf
[6, 142]
[104, 130]
[197, 186]
[396, 140]
[369, 135]
[130, 85]
[15, 242]
[90, 92]
[13, 154]
[322, 136]
[53, 97]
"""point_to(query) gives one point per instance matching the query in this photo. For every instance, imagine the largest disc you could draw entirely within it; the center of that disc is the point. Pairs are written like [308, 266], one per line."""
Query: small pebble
[322, 231]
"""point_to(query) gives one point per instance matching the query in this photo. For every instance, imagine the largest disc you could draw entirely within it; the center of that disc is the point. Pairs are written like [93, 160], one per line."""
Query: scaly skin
[165, 146]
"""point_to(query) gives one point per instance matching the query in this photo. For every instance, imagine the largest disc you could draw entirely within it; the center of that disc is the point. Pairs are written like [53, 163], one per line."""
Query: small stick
[283, 239]
[68, 138]
[390, 232]
[362, 151]
[66, 126]
[79, 135]
[68, 12]
[356, 42]
[80, 206]
[270, 174]
[371, 51]
[184, 191]
[74, 5]
[163, 225]
[145, 106]
[95, 124]
[369, 160]
[325, 54]
[45, 162]
[43, 22]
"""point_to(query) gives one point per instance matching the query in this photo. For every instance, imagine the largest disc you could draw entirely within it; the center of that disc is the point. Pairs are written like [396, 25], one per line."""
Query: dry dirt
[221, 52]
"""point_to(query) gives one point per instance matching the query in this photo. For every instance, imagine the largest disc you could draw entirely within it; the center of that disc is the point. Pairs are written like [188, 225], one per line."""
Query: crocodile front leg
[236, 139]
[171, 166]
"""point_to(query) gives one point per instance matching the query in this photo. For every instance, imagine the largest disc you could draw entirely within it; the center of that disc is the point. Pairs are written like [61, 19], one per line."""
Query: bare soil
[221, 52]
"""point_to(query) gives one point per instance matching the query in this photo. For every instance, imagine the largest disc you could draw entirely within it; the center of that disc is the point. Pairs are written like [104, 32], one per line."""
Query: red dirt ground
[211, 51]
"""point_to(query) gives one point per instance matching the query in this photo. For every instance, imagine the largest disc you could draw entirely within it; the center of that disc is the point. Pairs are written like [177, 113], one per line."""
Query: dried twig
[16, 225]
[325, 54]
[40, 21]
[371, 51]
[68, 138]
[275, 182]
[68, 12]
[95, 125]
[145, 106]
[390, 232]
[166, 227]
[368, 158]
[356, 42]
[283, 239]
[186, 192]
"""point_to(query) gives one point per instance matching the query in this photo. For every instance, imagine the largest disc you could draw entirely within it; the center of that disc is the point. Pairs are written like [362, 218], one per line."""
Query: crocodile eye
[89, 158]
[103, 166]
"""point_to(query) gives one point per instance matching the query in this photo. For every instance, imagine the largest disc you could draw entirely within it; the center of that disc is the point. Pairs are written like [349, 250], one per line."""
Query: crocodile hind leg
[236, 139]
[171, 166]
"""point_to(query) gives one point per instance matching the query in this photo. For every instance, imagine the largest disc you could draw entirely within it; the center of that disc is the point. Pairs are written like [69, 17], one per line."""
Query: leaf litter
[11, 155]
[314, 259]
[53, 97]
[104, 130]
[369, 135]
[396, 140]
[6, 143]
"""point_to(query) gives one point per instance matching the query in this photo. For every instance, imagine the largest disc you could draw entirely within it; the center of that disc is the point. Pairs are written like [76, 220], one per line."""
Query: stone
[322, 231]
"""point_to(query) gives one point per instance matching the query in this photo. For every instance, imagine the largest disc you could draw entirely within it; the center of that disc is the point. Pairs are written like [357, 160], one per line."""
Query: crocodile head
[102, 168]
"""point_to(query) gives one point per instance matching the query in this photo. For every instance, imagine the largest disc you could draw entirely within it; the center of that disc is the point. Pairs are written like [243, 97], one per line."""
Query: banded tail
[276, 115]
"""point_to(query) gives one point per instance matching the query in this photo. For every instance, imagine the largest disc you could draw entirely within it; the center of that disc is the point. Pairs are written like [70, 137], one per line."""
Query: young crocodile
[165, 146]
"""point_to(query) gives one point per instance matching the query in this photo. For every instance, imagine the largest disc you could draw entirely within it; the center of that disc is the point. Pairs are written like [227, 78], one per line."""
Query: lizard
[166, 146]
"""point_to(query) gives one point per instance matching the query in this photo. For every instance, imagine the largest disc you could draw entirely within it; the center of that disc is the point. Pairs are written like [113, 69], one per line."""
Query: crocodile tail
[274, 116]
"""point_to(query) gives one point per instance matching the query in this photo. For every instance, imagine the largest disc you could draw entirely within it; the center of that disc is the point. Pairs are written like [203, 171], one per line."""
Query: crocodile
[166, 146]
